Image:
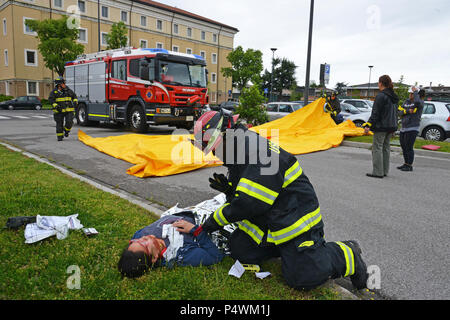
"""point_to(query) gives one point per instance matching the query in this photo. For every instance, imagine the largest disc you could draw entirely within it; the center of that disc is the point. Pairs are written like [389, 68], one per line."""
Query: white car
[350, 112]
[277, 110]
[435, 122]
[363, 105]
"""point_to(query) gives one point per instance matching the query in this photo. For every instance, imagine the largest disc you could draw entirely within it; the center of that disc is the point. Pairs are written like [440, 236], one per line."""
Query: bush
[251, 106]
[5, 98]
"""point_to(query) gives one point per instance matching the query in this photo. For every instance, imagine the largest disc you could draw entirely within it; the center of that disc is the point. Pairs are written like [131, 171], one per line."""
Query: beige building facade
[150, 24]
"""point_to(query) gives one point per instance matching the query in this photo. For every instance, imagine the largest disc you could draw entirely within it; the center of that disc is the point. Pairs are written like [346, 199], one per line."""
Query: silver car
[277, 110]
[350, 112]
[363, 105]
[435, 123]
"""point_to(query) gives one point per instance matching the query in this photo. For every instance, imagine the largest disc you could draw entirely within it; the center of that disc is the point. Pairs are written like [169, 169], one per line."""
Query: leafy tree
[402, 90]
[117, 37]
[246, 66]
[295, 94]
[57, 42]
[340, 87]
[251, 106]
[283, 76]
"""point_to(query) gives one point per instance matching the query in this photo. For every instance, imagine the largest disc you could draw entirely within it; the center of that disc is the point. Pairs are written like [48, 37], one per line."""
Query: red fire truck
[138, 87]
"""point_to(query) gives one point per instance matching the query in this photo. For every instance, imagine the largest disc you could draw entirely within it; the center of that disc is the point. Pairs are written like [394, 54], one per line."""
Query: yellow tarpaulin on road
[307, 130]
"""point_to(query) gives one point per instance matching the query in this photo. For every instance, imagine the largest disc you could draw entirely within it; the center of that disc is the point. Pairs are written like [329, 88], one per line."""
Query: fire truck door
[118, 87]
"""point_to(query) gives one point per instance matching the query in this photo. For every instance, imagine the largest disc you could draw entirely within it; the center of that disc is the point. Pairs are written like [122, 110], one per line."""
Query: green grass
[38, 271]
[445, 146]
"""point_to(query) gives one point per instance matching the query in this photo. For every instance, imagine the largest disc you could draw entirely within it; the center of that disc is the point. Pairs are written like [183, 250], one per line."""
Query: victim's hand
[183, 226]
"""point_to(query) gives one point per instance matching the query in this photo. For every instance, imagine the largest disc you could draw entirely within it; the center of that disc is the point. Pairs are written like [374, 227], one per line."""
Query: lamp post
[271, 75]
[370, 74]
[308, 61]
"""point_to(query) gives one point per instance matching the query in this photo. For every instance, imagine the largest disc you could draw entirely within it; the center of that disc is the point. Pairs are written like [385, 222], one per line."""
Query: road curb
[421, 152]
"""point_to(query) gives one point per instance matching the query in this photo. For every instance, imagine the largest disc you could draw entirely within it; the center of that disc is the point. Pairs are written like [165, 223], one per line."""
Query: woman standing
[410, 113]
[383, 123]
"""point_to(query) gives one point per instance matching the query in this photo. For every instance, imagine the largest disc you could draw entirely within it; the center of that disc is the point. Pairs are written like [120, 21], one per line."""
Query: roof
[184, 13]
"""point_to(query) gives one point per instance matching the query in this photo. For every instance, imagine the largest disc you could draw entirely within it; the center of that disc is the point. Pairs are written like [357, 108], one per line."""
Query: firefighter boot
[359, 278]
[60, 138]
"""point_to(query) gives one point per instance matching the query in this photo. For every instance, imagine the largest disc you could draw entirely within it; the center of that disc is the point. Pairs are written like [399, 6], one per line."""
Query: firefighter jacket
[273, 208]
[333, 106]
[63, 100]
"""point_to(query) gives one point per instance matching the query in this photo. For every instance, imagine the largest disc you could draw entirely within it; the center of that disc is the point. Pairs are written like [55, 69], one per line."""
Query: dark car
[24, 102]
[229, 105]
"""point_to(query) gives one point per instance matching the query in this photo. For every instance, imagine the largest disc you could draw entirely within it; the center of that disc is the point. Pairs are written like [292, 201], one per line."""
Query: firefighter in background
[333, 106]
[277, 214]
[63, 101]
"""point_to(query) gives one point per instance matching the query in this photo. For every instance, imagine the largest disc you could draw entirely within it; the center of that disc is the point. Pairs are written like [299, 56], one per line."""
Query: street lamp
[370, 74]
[271, 75]
[308, 61]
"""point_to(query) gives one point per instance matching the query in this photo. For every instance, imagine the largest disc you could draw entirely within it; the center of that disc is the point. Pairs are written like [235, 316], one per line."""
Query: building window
[203, 54]
[175, 28]
[32, 88]
[82, 35]
[203, 35]
[143, 21]
[82, 6]
[30, 58]
[143, 43]
[124, 16]
[104, 38]
[213, 78]
[5, 27]
[189, 32]
[159, 24]
[175, 48]
[58, 3]
[214, 58]
[105, 12]
[214, 37]
[159, 45]
[6, 57]
[189, 51]
[26, 29]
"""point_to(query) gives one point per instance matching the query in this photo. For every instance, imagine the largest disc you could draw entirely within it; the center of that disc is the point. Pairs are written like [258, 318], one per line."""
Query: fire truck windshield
[182, 74]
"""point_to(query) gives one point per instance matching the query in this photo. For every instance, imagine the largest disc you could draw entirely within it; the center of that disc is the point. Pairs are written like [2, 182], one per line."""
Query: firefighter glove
[220, 183]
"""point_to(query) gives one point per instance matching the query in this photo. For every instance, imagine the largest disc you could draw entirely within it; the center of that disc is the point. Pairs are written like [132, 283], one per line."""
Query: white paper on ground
[262, 275]
[47, 226]
[236, 270]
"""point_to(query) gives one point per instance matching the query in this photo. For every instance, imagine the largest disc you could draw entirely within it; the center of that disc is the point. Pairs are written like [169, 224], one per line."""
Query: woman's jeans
[381, 151]
[407, 140]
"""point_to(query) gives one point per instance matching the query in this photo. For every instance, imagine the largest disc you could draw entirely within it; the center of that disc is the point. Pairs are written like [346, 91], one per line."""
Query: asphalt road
[401, 221]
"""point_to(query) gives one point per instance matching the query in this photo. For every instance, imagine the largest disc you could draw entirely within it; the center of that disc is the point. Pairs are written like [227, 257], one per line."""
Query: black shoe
[60, 138]
[373, 176]
[359, 278]
[401, 167]
[407, 168]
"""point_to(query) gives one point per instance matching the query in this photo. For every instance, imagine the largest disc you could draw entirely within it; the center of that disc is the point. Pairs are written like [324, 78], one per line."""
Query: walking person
[63, 101]
[410, 114]
[383, 123]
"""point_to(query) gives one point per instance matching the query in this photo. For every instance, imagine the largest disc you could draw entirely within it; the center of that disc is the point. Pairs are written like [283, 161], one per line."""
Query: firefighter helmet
[59, 80]
[210, 127]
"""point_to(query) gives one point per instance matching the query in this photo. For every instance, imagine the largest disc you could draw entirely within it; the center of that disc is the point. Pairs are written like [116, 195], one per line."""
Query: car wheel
[11, 107]
[358, 123]
[137, 119]
[434, 133]
[38, 107]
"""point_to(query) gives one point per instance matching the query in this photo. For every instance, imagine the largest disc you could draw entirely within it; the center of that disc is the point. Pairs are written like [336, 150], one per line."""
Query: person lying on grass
[150, 247]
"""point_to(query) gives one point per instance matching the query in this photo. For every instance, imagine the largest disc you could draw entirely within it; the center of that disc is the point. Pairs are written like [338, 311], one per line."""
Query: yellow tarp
[307, 130]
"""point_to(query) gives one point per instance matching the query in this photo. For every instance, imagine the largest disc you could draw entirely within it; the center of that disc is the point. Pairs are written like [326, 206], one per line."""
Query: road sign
[327, 73]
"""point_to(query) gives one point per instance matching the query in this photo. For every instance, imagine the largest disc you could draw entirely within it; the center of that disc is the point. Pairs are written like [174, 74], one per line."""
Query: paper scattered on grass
[236, 270]
[262, 275]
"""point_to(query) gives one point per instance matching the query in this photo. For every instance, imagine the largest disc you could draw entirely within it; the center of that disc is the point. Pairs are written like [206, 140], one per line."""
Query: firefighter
[333, 106]
[274, 206]
[63, 101]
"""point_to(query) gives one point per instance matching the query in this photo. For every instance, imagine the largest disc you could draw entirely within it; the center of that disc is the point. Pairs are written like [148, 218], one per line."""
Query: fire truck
[138, 87]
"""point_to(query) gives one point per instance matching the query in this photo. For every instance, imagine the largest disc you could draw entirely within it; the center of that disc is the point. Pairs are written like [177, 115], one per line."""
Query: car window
[285, 108]
[429, 108]
[22, 99]
[272, 107]
[360, 104]
[297, 106]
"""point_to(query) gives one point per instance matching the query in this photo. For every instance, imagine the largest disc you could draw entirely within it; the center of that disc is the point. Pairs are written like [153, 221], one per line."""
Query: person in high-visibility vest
[274, 205]
[63, 101]
[333, 106]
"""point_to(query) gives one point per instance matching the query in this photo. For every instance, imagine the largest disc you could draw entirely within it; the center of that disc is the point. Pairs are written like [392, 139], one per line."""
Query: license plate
[190, 118]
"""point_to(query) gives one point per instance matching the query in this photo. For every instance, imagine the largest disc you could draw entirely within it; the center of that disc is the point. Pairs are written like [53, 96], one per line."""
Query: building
[150, 24]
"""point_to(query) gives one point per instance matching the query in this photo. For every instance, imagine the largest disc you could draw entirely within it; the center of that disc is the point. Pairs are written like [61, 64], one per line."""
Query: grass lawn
[445, 146]
[39, 271]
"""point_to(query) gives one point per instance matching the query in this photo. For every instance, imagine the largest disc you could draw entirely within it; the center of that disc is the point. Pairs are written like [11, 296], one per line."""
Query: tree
[340, 87]
[117, 37]
[283, 76]
[246, 66]
[57, 42]
[401, 90]
[251, 106]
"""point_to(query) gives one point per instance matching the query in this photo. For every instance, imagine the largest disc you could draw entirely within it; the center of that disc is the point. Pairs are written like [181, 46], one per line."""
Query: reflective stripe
[301, 226]
[252, 230]
[68, 110]
[257, 191]
[306, 244]
[367, 124]
[55, 105]
[219, 217]
[68, 130]
[59, 134]
[349, 259]
[99, 115]
[292, 173]
[63, 99]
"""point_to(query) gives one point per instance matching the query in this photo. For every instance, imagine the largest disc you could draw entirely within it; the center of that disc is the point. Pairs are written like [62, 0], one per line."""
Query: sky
[398, 37]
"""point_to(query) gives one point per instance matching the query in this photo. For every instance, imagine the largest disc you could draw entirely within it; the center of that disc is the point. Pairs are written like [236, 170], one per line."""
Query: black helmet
[59, 80]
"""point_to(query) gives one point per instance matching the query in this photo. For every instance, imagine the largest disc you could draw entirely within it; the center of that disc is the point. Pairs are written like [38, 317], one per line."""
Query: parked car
[364, 105]
[229, 105]
[435, 123]
[277, 110]
[350, 112]
[24, 102]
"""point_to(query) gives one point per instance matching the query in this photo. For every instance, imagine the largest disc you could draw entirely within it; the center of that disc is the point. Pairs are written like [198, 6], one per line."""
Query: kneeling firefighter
[63, 101]
[333, 106]
[274, 205]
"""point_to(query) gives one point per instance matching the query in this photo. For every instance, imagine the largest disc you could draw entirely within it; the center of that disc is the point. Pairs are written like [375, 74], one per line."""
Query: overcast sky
[398, 37]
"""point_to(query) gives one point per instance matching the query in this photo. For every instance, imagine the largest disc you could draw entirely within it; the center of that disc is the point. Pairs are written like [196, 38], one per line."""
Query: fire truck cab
[138, 87]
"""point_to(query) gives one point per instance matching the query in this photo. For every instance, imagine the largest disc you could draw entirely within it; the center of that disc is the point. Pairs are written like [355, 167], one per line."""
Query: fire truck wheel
[137, 119]
[81, 116]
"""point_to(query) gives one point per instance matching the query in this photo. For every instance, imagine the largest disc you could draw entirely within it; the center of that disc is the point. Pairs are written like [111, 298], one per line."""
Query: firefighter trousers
[64, 123]
[305, 264]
